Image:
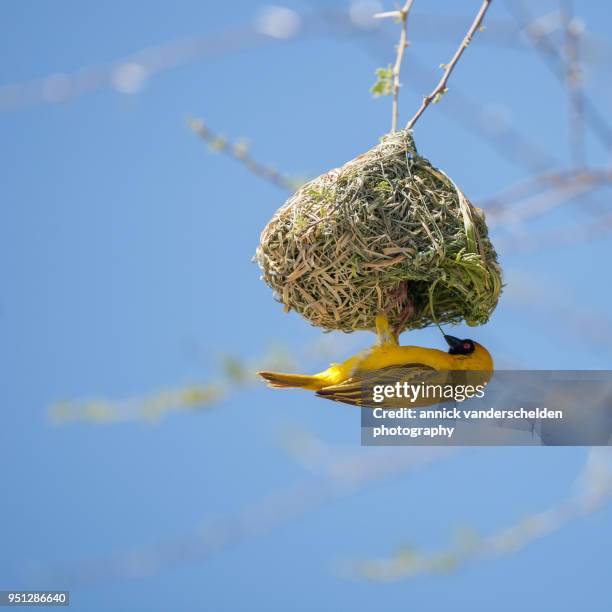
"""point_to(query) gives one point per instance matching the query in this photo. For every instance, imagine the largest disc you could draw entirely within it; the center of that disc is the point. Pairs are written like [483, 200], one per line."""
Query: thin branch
[402, 15]
[545, 181]
[556, 63]
[505, 137]
[441, 86]
[522, 189]
[573, 77]
[564, 190]
[559, 238]
[594, 491]
[541, 204]
[240, 153]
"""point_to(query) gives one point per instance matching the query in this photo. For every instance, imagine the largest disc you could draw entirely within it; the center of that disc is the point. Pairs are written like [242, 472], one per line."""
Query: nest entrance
[343, 247]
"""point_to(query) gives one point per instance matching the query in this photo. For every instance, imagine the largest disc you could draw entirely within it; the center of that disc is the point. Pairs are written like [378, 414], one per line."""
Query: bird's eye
[467, 346]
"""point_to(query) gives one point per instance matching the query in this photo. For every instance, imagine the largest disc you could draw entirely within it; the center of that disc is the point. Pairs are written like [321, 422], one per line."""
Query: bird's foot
[385, 334]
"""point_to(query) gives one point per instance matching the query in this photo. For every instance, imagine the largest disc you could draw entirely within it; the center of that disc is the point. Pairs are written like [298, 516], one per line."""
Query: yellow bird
[387, 363]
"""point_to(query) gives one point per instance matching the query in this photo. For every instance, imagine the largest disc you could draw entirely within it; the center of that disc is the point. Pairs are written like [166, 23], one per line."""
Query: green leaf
[384, 82]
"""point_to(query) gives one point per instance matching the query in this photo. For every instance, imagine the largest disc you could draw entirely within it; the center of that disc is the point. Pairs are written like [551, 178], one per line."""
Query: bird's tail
[278, 380]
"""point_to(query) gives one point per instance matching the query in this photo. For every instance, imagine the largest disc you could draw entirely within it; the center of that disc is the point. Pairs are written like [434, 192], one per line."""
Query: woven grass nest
[385, 228]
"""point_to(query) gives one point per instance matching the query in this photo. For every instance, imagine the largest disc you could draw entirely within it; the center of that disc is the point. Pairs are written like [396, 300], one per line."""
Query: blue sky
[125, 249]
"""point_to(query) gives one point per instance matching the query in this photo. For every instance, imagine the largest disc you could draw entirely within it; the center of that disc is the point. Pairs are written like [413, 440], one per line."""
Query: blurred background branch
[594, 489]
[241, 153]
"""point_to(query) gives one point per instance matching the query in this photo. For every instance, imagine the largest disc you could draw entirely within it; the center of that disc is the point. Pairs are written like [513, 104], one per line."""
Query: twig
[544, 181]
[573, 77]
[558, 192]
[556, 63]
[403, 42]
[402, 15]
[236, 374]
[559, 238]
[441, 86]
[543, 203]
[240, 153]
[508, 140]
[522, 189]
[594, 484]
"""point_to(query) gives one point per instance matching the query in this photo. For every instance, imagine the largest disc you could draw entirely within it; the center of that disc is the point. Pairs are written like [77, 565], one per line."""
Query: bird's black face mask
[458, 346]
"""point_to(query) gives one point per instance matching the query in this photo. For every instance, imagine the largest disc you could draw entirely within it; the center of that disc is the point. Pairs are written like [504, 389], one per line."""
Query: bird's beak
[453, 343]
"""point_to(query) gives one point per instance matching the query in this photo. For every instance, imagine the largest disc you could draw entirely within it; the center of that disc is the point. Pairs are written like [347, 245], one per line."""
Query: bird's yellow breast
[385, 356]
[388, 355]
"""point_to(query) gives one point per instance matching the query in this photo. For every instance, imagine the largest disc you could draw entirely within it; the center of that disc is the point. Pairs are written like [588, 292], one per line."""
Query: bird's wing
[359, 388]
